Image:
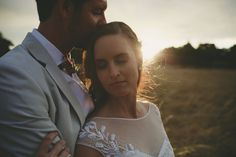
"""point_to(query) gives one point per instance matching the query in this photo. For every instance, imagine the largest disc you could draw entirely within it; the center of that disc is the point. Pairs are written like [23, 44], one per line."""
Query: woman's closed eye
[101, 64]
[121, 59]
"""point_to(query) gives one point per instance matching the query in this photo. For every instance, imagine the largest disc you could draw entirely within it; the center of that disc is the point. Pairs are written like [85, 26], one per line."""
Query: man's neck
[55, 36]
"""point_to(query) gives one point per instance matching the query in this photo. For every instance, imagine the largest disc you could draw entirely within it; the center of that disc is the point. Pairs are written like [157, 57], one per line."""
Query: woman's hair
[96, 90]
[45, 7]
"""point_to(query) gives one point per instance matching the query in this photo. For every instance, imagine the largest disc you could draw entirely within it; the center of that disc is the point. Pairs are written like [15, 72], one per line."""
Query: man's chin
[81, 46]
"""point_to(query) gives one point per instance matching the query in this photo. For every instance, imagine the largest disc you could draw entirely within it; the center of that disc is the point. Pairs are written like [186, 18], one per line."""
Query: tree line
[205, 56]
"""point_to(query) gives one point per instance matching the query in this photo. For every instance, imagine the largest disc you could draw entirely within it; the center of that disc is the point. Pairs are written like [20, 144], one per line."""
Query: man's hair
[45, 7]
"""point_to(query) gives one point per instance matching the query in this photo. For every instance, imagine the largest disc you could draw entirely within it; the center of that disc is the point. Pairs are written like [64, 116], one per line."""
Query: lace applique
[106, 143]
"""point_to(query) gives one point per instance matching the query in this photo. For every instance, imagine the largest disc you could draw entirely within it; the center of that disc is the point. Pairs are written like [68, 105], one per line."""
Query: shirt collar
[56, 54]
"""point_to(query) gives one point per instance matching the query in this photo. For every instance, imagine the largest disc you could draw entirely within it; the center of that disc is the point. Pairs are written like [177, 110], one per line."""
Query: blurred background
[189, 48]
[195, 90]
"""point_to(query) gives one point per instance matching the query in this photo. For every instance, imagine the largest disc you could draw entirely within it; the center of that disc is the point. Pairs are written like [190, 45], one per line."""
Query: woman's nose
[114, 72]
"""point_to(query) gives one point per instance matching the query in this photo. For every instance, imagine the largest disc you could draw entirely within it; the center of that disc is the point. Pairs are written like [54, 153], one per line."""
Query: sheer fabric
[123, 137]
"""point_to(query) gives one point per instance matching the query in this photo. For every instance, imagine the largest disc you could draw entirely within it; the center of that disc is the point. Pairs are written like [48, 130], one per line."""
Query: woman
[121, 125]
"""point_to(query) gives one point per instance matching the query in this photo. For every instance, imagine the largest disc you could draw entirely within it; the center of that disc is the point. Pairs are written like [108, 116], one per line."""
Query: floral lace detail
[105, 142]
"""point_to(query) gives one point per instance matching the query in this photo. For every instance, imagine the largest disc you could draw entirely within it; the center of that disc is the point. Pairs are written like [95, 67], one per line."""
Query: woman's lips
[118, 83]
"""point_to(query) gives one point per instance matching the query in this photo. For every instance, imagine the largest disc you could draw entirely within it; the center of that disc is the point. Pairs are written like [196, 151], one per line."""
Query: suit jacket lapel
[41, 55]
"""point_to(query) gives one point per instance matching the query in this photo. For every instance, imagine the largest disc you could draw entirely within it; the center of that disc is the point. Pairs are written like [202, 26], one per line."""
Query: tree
[4, 45]
[205, 56]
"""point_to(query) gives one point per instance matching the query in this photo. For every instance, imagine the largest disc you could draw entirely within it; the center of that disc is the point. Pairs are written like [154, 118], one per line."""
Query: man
[36, 96]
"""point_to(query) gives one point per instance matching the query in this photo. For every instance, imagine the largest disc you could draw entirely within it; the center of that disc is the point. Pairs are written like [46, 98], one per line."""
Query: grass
[198, 109]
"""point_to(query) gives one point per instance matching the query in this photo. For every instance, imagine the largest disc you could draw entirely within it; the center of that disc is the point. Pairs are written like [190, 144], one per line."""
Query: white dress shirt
[74, 82]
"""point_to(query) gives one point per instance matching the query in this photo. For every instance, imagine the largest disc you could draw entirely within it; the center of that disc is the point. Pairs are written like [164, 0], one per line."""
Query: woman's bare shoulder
[82, 151]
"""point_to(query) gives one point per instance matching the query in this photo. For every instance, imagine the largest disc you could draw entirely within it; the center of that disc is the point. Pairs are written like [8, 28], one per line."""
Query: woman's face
[116, 65]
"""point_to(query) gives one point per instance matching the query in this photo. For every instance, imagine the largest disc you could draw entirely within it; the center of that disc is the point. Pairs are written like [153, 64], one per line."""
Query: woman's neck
[121, 107]
[125, 107]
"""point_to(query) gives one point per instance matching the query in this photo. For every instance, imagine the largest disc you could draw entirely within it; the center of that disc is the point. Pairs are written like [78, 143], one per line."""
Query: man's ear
[66, 8]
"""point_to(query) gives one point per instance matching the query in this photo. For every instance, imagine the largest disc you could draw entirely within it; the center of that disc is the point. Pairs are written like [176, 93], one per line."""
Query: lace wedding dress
[123, 137]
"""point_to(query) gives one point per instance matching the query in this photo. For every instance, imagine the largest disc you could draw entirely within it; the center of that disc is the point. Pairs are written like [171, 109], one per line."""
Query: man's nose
[102, 20]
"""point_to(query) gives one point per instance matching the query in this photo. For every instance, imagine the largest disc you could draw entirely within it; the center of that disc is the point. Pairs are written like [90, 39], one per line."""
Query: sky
[158, 23]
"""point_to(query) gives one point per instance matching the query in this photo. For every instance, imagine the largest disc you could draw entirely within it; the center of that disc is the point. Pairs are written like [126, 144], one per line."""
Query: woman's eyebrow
[121, 54]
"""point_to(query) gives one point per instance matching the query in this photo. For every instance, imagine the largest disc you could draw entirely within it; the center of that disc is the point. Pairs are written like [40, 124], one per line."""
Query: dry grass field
[198, 109]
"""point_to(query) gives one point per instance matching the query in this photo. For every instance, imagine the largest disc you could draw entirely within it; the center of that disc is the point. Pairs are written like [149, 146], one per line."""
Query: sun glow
[151, 47]
[151, 44]
[149, 51]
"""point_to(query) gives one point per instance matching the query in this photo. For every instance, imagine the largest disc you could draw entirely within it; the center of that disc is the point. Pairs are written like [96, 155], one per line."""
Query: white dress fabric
[123, 137]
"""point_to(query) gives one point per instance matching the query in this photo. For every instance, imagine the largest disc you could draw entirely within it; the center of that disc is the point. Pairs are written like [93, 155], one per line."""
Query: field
[198, 108]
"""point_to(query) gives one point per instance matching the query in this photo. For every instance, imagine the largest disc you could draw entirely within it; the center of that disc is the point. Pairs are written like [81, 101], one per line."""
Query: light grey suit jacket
[34, 99]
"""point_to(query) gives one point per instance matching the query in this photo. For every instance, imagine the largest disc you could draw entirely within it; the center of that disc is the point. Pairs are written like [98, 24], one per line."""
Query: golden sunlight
[148, 52]
[150, 49]
[151, 45]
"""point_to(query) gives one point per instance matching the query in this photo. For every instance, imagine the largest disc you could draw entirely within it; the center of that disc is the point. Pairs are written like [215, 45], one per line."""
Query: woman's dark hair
[98, 93]
[45, 7]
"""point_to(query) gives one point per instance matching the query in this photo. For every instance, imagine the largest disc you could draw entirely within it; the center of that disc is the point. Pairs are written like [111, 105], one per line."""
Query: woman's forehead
[113, 45]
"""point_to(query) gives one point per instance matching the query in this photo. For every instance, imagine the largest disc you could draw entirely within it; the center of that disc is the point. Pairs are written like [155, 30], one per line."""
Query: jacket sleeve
[24, 118]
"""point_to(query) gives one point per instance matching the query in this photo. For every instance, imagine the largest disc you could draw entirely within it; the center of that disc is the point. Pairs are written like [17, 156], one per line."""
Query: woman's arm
[82, 151]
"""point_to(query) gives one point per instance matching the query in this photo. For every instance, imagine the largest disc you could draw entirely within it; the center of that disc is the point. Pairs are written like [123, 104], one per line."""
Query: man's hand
[53, 146]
